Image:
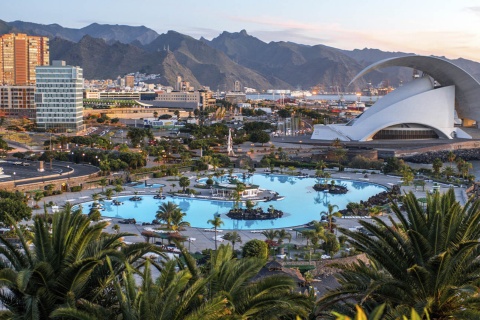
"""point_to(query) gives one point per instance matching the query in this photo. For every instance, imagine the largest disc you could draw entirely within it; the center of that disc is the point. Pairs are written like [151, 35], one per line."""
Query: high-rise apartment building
[130, 81]
[17, 101]
[19, 55]
[59, 97]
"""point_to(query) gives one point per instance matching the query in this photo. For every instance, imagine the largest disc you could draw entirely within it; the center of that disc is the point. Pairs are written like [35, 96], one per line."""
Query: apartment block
[17, 102]
[59, 97]
[19, 55]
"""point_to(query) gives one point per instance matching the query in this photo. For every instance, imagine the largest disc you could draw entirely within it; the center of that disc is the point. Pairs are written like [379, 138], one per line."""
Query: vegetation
[255, 248]
[62, 268]
[428, 261]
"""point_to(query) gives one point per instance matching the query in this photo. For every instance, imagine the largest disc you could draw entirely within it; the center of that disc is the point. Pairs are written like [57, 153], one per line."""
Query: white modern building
[59, 97]
[429, 107]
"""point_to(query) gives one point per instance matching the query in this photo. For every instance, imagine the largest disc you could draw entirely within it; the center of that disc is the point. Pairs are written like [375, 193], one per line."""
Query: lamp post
[14, 184]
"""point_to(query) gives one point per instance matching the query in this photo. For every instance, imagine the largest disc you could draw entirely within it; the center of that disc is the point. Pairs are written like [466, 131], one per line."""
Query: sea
[327, 97]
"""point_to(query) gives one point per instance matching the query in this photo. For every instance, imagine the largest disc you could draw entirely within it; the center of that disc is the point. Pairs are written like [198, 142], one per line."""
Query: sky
[449, 28]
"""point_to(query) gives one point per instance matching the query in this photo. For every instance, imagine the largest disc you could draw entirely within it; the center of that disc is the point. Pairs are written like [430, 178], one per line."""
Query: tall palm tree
[109, 193]
[330, 213]
[270, 234]
[216, 222]
[429, 260]
[165, 212]
[233, 237]
[65, 264]
[282, 234]
[176, 219]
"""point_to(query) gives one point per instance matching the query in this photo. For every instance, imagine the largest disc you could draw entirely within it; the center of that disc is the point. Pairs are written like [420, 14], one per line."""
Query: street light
[14, 184]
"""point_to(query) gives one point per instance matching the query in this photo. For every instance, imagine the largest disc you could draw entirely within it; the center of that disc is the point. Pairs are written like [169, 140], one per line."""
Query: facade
[187, 100]
[19, 55]
[59, 97]
[17, 101]
[130, 81]
[429, 107]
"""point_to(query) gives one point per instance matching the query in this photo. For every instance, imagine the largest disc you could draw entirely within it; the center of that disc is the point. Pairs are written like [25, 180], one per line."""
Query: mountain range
[107, 51]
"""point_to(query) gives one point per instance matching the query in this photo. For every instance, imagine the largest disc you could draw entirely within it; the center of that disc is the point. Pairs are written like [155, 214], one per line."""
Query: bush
[76, 188]
[158, 175]
[255, 248]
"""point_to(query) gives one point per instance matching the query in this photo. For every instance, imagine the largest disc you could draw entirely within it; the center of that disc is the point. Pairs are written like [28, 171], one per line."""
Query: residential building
[130, 81]
[187, 100]
[19, 55]
[17, 101]
[59, 97]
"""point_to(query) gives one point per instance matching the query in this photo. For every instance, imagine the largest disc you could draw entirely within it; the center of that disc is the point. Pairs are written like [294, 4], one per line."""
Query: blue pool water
[301, 205]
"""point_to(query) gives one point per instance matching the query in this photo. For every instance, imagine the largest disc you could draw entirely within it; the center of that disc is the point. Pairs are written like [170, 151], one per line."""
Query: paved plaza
[204, 238]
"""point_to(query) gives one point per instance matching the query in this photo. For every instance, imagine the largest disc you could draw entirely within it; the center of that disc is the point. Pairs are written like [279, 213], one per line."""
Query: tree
[172, 296]
[330, 213]
[116, 228]
[177, 220]
[14, 210]
[270, 234]
[282, 234]
[284, 113]
[428, 260]
[103, 183]
[118, 188]
[165, 212]
[255, 248]
[136, 136]
[451, 157]
[259, 137]
[407, 175]
[184, 182]
[216, 222]
[65, 265]
[37, 197]
[330, 244]
[437, 165]
[251, 297]
[94, 214]
[448, 172]
[234, 237]
[109, 193]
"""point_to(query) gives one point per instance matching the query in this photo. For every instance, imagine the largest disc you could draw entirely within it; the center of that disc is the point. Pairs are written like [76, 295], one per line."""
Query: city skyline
[443, 28]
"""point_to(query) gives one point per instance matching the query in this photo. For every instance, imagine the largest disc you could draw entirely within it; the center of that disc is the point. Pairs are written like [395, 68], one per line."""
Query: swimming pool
[301, 204]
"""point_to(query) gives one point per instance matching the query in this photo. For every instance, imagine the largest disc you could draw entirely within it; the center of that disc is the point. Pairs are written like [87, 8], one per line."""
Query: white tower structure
[230, 143]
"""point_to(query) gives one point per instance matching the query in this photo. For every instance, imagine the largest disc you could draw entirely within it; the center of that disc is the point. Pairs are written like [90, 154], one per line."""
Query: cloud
[429, 42]
[474, 9]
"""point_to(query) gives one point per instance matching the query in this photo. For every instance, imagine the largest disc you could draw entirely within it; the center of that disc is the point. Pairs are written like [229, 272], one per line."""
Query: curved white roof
[444, 72]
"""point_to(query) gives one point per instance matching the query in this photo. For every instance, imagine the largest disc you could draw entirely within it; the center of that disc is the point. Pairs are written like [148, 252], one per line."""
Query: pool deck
[204, 238]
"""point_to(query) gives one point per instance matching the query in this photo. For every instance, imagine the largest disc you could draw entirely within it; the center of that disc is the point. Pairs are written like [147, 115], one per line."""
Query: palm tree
[282, 234]
[172, 296]
[109, 193]
[176, 219]
[165, 212]
[270, 234]
[216, 222]
[429, 260]
[233, 237]
[64, 265]
[270, 297]
[330, 213]
[37, 197]
[184, 183]
[103, 183]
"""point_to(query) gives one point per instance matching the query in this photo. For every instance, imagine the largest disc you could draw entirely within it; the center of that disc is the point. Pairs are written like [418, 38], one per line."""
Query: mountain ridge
[216, 63]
